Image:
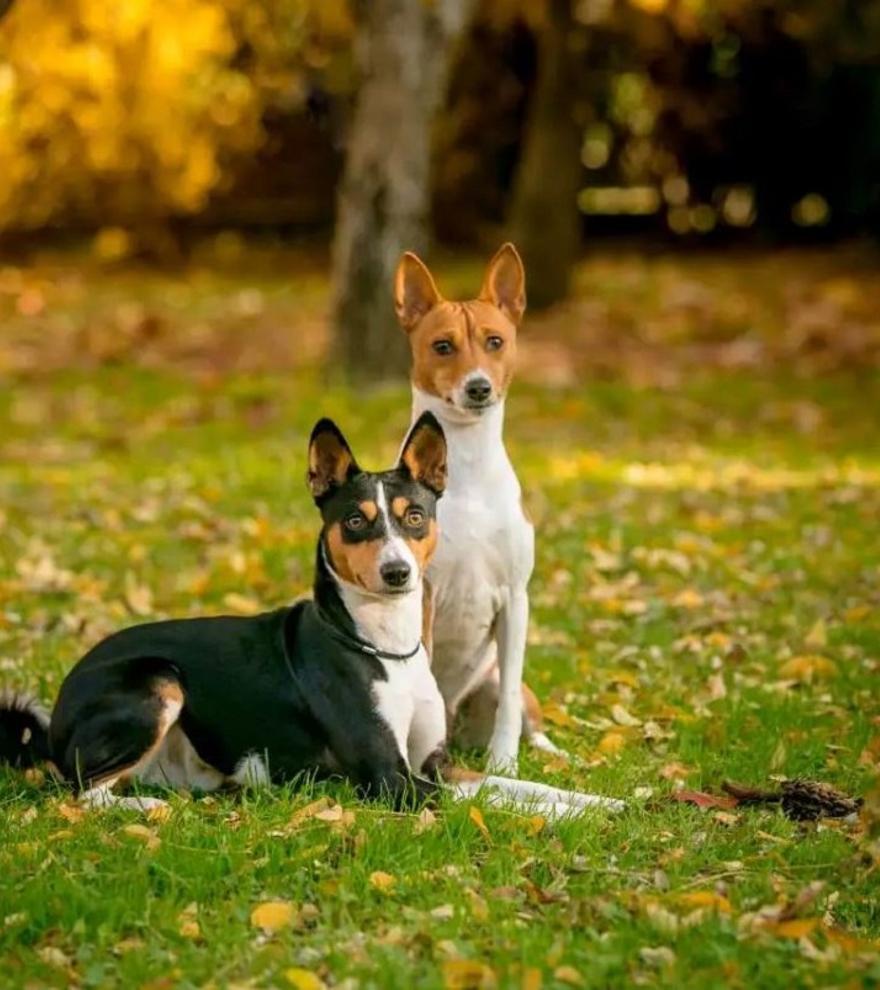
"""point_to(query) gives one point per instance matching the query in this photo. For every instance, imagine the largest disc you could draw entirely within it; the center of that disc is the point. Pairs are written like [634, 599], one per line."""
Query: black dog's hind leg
[100, 741]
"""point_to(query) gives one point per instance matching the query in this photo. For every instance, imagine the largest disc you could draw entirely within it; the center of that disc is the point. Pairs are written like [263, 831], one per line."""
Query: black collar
[361, 645]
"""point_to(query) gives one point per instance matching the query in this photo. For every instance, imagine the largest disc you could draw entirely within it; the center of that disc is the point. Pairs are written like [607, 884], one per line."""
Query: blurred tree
[544, 221]
[403, 49]
[136, 113]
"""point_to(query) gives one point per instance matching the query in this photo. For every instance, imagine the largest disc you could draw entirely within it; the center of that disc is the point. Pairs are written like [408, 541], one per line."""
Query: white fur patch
[251, 771]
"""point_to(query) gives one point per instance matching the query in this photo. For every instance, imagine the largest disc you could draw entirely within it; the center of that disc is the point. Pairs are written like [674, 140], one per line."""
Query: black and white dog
[340, 684]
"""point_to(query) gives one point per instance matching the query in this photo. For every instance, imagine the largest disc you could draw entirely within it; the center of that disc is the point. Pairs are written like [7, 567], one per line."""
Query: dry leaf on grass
[303, 979]
[476, 816]
[383, 882]
[272, 916]
[468, 974]
[701, 799]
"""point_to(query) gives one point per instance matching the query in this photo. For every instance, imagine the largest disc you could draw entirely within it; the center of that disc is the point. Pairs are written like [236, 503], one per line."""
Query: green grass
[691, 542]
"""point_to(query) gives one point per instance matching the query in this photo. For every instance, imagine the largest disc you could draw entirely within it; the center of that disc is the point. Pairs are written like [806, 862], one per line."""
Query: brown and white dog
[464, 356]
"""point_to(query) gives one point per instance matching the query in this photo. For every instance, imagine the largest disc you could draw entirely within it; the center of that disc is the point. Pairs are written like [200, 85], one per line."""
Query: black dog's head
[380, 528]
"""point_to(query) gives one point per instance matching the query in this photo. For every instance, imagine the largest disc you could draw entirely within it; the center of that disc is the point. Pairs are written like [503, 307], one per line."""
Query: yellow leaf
[612, 742]
[795, 928]
[138, 597]
[817, 637]
[160, 813]
[72, 813]
[272, 916]
[144, 834]
[189, 928]
[707, 899]
[557, 715]
[303, 979]
[241, 604]
[479, 908]
[569, 975]
[536, 824]
[468, 974]
[688, 598]
[808, 668]
[476, 816]
[382, 881]
[531, 978]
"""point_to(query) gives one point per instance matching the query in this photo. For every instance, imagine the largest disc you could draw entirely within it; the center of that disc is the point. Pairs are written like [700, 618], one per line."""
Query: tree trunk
[403, 50]
[545, 222]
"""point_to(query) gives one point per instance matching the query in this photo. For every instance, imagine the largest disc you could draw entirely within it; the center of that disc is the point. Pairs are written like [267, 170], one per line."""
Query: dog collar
[361, 645]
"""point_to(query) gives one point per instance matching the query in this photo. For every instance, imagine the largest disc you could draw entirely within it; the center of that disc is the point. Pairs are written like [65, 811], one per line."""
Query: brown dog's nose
[478, 390]
[395, 573]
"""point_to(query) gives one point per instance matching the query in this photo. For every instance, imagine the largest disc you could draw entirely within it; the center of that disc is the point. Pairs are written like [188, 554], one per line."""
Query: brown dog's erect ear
[424, 453]
[505, 283]
[414, 291]
[331, 462]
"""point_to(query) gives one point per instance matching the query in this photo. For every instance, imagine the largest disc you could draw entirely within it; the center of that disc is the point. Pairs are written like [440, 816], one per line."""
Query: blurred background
[691, 183]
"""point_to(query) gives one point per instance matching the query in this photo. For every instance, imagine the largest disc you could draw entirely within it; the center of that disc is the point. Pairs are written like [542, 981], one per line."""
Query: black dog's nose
[395, 573]
[478, 390]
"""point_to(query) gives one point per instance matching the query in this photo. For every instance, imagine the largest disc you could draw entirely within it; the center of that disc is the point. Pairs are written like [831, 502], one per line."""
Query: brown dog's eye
[355, 522]
[414, 517]
[494, 343]
[443, 347]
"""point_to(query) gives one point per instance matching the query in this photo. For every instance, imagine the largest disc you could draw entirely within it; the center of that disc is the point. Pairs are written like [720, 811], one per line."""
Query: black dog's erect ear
[331, 462]
[424, 453]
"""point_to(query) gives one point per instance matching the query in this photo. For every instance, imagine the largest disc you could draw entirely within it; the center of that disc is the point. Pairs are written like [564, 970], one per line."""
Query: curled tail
[24, 730]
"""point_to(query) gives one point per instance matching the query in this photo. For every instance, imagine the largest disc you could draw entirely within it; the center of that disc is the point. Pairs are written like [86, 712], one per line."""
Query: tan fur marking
[427, 616]
[169, 693]
[353, 562]
[454, 775]
[423, 549]
[532, 709]
[399, 505]
[369, 509]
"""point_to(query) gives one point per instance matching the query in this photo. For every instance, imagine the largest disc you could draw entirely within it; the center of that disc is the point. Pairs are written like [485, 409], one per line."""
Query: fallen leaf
[623, 717]
[808, 668]
[557, 715]
[382, 881]
[794, 928]
[272, 916]
[426, 820]
[53, 956]
[443, 912]
[189, 928]
[146, 835]
[817, 637]
[303, 979]
[612, 742]
[468, 974]
[675, 771]
[705, 899]
[241, 604]
[569, 975]
[72, 813]
[536, 824]
[532, 978]
[476, 816]
[479, 908]
[138, 597]
[308, 811]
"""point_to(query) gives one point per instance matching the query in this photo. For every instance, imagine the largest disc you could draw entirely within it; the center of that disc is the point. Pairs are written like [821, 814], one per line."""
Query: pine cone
[807, 800]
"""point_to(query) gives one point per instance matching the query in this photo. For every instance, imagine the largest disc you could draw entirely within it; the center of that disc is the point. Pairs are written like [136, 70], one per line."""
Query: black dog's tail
[24, 730]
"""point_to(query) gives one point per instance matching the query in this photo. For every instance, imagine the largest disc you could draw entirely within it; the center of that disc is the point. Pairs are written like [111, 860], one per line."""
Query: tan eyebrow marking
[369, 509]
[399, 505]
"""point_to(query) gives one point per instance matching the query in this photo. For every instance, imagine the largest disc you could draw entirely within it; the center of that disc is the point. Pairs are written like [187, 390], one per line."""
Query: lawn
[705, 607]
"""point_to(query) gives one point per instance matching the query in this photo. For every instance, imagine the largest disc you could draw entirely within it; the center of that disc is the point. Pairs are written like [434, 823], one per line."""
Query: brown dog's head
[464, 353]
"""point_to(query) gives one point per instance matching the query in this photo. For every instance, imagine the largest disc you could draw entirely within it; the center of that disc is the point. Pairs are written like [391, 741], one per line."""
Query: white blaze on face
[394, 546]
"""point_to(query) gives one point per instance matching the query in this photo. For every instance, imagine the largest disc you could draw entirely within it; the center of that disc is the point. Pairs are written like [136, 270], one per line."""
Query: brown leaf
[468, 974]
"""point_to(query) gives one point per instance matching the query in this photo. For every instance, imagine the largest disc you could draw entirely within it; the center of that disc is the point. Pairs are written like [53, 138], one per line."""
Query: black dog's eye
[414, 517]
[442, 347]
[494, 343]
[355, 521]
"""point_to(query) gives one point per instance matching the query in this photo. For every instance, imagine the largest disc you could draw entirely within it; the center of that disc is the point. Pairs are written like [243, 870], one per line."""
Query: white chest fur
[486, 546]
